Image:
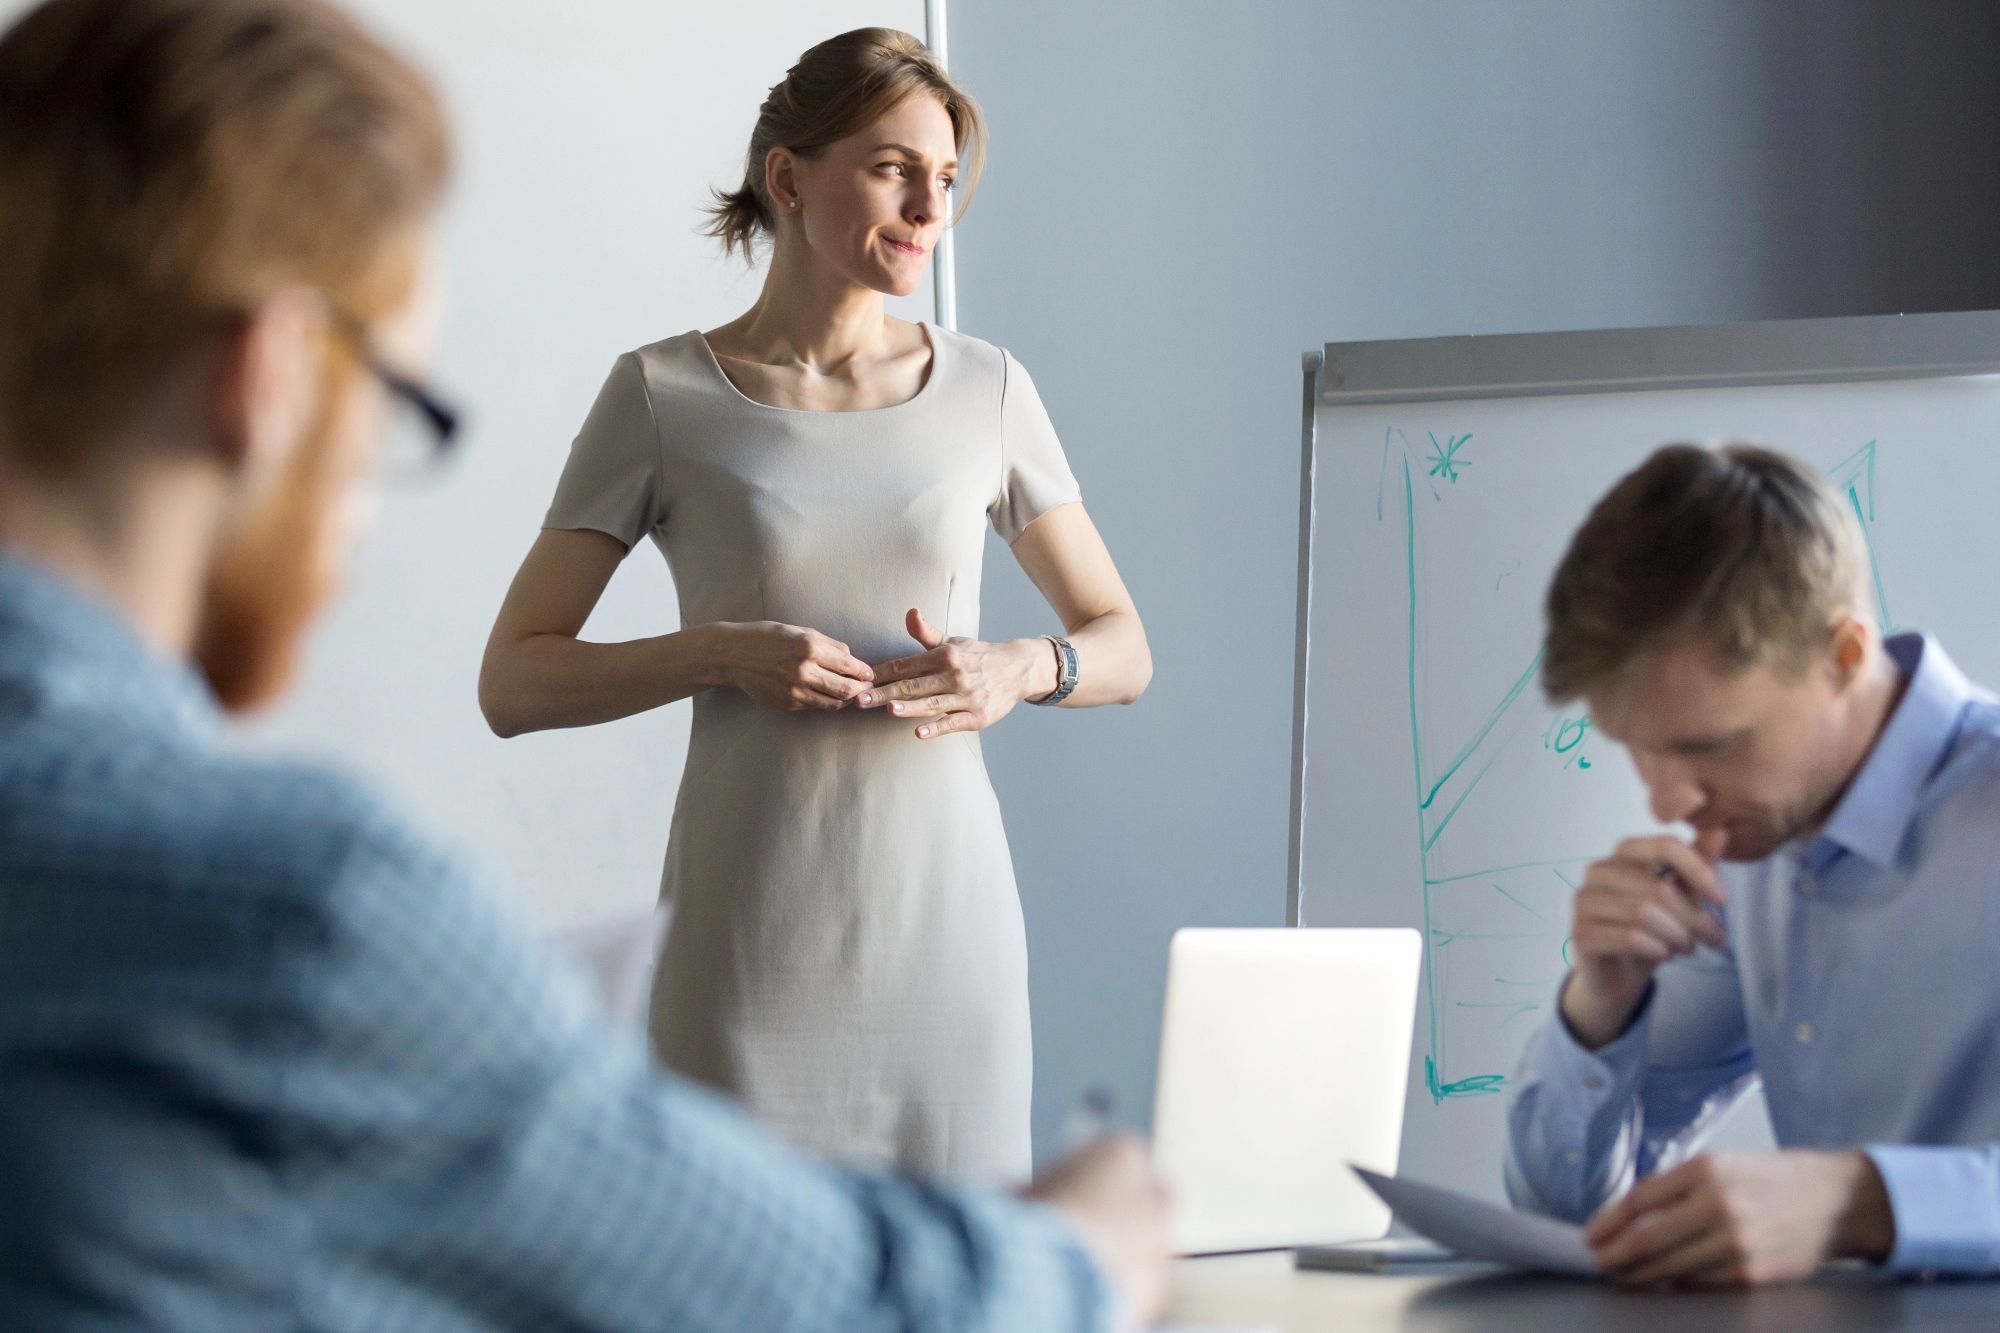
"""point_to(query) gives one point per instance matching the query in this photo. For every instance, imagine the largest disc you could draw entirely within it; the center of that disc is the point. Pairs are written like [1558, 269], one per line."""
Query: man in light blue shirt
[1713, 611]
[269, 1059]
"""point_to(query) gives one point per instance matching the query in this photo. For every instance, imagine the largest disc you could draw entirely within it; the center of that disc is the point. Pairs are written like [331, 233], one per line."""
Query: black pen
[1663, 871]
[1091, 1120]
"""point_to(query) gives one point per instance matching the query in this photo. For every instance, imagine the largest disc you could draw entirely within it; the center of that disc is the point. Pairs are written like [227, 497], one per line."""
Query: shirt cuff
[1104, 1303]
[1611, 1069]
[1946, 1203]
[1572, 1123]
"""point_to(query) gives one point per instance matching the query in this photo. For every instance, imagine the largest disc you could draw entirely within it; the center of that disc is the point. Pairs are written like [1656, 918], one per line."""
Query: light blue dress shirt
[268, 1060]
[1861, 982]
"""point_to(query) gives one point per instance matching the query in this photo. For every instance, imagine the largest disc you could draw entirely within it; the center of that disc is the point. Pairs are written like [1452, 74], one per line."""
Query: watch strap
[1066, 664]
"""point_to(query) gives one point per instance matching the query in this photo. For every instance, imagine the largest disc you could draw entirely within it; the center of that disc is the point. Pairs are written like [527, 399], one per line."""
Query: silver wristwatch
[1066, 662]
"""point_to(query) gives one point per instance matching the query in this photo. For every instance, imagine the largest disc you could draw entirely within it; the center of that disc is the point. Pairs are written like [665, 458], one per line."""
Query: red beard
[274, 573]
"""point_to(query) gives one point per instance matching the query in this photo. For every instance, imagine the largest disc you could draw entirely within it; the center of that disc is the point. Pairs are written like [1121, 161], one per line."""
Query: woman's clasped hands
[960, 684]
[954, 685]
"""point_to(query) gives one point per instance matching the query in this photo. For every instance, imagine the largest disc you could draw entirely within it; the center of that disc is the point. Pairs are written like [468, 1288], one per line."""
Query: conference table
[1263, 1292]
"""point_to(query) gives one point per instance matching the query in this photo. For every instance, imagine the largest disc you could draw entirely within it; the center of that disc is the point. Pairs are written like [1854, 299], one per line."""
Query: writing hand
[1731, 1219]
[960, 684]
[1119, 1208]
[1644, 904]
[787, 667]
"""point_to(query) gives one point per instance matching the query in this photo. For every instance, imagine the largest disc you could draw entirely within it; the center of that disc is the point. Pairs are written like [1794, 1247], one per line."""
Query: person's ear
[269, 378]
[781, 181]
[1848, 648]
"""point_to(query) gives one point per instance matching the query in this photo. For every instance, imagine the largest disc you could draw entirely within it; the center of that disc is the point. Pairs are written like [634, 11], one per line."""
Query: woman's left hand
[960, 684]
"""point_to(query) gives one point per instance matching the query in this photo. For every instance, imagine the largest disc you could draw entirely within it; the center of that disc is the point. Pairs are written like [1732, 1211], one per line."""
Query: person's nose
[1672, 789]
[929, 204]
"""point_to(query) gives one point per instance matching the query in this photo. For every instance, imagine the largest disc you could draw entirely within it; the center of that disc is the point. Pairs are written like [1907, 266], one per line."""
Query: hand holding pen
[1106, 1186]
[1651, 900]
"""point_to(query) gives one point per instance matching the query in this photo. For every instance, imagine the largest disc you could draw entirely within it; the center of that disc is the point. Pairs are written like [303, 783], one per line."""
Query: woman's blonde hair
[838, 88]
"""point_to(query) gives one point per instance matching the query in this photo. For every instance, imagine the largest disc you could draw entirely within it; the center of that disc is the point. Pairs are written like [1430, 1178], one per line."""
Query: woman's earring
[792, 204]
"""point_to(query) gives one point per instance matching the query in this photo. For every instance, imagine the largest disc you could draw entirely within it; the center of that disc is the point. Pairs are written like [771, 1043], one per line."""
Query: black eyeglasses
[440, 419]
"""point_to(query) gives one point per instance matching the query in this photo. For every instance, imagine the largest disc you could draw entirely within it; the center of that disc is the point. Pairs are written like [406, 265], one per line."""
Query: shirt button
[1573, 1157]
[1803, 1032]
[1594, 1082]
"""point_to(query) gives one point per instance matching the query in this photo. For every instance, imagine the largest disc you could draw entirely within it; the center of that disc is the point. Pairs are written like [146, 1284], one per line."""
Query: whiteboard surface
[1440, 790]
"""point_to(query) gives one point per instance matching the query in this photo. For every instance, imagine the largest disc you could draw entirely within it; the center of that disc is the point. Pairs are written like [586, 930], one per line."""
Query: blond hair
[164, 165]
[1744, 547]
[838, 88]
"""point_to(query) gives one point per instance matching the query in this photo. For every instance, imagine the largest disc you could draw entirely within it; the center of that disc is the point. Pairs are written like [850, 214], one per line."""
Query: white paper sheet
[1480, 1230]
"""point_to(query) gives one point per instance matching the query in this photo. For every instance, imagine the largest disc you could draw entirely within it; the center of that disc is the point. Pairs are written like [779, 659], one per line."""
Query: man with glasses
[267, 1058]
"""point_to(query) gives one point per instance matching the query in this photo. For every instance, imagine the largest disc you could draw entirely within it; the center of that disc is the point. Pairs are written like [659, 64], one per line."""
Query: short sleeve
[1034, 475]
[612, 480]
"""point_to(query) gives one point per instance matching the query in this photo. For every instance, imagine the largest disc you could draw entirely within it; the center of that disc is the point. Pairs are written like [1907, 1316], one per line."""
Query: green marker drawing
[1441, 795]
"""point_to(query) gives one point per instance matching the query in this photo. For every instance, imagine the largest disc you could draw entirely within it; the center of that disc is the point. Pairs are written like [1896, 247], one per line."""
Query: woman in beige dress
[846, 953]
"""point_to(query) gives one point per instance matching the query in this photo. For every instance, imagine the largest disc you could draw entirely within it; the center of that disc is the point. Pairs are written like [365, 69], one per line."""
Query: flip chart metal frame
[944, 260]
[1523, 365]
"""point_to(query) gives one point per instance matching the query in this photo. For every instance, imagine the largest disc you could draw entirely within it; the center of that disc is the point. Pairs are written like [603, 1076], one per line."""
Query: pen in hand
[1655, 898]
[1667, 874]
[1106, 1185]
[1091, 1119]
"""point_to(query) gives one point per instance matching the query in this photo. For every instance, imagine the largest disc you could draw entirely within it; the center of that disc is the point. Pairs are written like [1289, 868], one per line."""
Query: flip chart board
[1433, 785]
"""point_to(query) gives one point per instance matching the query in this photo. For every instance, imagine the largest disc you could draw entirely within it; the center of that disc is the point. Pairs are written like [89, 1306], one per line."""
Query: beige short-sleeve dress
[846, 952]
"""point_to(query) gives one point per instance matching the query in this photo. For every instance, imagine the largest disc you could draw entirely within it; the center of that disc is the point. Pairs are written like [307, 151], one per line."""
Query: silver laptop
[1284, 1056]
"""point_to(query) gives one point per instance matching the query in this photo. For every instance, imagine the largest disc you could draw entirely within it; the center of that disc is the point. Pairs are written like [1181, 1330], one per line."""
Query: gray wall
[1183, 197]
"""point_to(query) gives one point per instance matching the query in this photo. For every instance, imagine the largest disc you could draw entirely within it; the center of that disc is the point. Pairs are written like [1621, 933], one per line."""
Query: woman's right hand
[786, 667]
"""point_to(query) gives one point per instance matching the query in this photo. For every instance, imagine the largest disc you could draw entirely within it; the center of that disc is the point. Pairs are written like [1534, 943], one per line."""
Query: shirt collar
[73, 647]
[1876, 809]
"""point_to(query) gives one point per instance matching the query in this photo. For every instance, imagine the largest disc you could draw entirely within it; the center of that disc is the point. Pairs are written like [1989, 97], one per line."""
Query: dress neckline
[930, 378]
